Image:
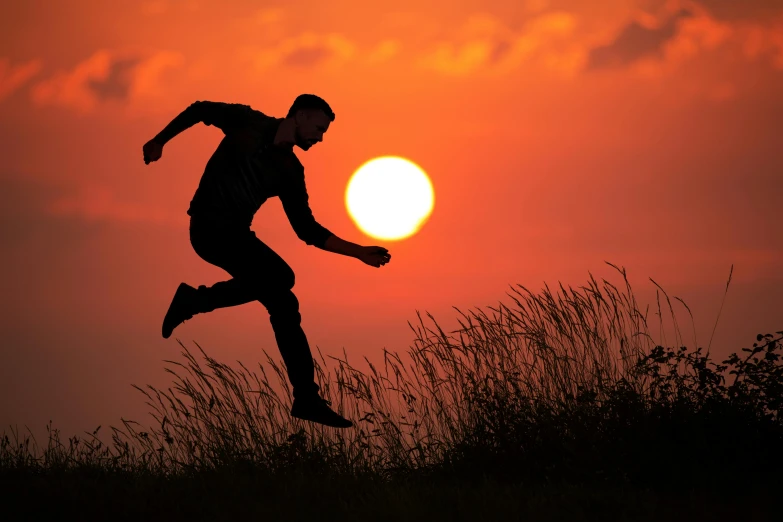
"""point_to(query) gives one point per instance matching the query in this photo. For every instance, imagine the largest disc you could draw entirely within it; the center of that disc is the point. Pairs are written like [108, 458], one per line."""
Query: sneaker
[180, 309]
[318, 410]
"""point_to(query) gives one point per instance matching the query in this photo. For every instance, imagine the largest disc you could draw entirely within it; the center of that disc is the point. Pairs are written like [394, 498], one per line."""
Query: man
[255, 161]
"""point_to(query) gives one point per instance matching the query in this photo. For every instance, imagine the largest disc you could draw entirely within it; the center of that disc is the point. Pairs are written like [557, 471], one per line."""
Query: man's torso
[245, 170]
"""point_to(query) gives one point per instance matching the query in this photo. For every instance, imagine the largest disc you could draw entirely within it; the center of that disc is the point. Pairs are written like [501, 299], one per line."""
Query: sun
[389, 198]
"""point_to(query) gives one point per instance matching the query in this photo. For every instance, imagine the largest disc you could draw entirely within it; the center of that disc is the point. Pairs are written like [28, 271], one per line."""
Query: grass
[556, 407]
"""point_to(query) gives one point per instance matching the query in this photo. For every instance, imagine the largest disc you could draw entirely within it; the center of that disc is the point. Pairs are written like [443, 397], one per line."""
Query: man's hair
[310, 102]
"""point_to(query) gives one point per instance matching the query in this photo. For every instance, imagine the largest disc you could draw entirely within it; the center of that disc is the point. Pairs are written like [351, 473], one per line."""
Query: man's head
[312, 116]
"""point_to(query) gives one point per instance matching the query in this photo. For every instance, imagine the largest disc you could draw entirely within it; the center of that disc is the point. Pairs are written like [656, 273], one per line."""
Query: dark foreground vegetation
[558, 407]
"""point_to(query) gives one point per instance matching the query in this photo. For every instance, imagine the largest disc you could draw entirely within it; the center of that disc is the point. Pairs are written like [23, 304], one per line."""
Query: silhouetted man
[255, 161]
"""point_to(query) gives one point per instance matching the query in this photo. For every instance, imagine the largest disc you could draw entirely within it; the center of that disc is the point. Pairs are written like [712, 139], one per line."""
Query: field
[556, 407]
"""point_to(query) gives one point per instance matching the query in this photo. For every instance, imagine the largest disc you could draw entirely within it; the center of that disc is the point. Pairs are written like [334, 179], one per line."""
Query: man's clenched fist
[152, 151]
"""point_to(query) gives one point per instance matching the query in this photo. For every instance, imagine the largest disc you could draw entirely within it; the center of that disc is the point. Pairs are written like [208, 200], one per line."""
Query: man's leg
[222, 295]
[283, 308]
[259, 274]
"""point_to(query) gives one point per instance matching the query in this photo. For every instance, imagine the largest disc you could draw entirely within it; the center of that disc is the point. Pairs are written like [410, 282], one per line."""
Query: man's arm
[226, 116]
[340, 246]
[295, 202]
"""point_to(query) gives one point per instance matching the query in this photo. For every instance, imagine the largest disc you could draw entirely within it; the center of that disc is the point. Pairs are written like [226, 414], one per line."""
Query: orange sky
[557, 134]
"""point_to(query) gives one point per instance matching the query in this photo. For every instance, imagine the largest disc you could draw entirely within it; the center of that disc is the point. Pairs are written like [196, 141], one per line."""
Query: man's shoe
[317, 410]
[180, 310]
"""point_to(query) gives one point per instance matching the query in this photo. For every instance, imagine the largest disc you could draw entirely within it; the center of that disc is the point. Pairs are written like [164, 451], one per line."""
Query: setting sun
[389, 198]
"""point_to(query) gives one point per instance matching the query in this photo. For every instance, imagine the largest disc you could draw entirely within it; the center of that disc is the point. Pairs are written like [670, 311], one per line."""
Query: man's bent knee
[283, 306]
[285, 278]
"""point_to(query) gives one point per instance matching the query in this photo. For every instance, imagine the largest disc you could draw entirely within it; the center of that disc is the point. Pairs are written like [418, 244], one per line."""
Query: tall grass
[566, 388]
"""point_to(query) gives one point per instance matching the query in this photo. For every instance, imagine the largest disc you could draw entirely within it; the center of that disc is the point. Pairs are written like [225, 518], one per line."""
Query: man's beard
[300, 142]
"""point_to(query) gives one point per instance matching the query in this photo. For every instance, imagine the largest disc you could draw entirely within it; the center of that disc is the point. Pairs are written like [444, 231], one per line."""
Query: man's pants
[259, 274]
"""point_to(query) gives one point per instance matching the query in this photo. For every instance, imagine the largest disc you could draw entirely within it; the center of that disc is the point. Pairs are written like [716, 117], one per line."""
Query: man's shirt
[247, 169]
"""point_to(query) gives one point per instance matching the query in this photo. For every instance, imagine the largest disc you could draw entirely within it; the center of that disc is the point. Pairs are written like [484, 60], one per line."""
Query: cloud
[12, 78]
[149, 72]
[268, 23]
[482, 39]
[107, 75]
[307, 50]
[754, 27]
[458, 60]
[307, 56]
[383, 52]
[743, 9]
[634, 42]
[650, 45]
[697, 34]
[552, 37]
[484, 42]
[759, 41]
[117, 82]
[753, 40]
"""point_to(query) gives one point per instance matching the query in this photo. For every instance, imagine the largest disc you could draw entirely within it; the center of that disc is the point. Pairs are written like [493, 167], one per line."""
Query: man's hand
[374, 256]
[152, 151]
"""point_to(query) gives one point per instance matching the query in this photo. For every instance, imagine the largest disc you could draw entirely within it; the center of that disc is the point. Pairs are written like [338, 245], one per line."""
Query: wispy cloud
[649, 44]
[309, 49]
[14, 77]
[117, 82]
[484, 42]
[743, 9]
[763, 42]
[267, 23]
[383, 52]
[634, 42]
[106, 75]
[754, 27]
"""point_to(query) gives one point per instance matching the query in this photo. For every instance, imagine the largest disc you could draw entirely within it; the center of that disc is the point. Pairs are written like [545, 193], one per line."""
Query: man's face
[310, 128]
